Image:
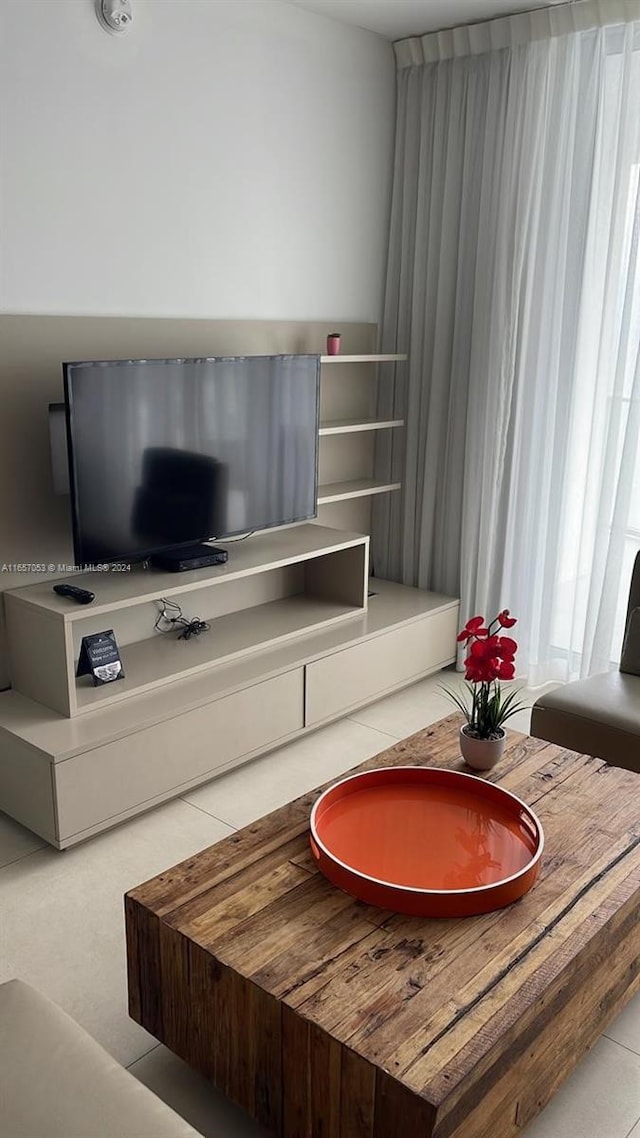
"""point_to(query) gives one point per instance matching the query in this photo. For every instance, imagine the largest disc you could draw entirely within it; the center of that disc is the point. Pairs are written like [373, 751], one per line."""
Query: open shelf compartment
[292, 583]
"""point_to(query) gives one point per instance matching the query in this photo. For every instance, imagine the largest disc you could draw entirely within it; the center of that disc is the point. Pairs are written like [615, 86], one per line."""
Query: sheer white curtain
[514, 283]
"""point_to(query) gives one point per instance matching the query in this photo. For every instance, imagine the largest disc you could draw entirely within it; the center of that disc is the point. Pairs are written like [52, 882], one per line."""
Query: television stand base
[189, 557]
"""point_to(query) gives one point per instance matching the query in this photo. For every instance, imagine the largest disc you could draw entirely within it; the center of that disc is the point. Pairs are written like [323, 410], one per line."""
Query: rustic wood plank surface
[328, 1018]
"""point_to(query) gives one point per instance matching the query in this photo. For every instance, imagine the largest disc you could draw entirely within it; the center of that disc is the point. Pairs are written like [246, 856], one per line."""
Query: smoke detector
[114, 16]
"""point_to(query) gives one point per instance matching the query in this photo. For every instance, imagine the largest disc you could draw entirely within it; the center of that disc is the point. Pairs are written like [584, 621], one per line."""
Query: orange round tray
[426, 841]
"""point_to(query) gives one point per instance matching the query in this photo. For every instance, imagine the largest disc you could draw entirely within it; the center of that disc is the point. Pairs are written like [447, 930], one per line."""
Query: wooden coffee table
[326, 1018]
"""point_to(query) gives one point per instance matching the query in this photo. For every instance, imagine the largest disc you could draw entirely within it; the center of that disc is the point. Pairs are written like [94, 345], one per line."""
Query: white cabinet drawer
[352, 677]
[112, 779]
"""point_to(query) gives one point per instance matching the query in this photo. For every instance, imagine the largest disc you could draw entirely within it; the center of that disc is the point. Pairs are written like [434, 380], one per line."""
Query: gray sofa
[600, 715]
[57, 1082]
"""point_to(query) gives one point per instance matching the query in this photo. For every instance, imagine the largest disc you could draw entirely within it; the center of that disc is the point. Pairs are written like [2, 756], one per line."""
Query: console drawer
[112, 779]
[356, 675]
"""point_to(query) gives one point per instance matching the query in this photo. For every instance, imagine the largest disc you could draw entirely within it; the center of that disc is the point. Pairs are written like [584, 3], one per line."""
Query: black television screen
[164, 453]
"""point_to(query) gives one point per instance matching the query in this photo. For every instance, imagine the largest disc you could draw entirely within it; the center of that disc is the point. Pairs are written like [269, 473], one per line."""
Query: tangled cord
[189, 627]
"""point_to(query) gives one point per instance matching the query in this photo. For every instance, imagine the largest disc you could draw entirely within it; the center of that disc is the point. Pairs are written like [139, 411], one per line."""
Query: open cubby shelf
[327, 582]
[164, 658]
[254, 555]
[348, 423]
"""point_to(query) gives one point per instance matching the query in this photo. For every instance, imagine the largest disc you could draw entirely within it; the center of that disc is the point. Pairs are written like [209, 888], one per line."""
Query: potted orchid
[485, 706]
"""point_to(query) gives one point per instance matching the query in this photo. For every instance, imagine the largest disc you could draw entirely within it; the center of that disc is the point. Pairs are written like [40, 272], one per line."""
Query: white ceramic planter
[481, 754]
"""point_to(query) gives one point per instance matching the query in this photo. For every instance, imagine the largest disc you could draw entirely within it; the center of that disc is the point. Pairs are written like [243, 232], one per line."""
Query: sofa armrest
[55, 1080]
[630, 659]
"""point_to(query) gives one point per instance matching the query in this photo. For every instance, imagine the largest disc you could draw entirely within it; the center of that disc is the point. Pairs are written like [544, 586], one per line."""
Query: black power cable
[189, 628]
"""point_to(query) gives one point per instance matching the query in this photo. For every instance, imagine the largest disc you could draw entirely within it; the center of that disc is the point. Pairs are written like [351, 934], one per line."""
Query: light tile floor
[61, 921]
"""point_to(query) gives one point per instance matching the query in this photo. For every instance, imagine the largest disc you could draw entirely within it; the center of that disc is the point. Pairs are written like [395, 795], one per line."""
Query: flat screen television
[168, 453]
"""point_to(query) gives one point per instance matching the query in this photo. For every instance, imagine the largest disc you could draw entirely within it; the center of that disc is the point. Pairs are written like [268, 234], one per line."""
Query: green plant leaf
[486, 707]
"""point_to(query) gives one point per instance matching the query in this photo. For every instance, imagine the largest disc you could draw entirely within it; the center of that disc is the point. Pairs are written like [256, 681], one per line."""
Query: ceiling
[396, 19]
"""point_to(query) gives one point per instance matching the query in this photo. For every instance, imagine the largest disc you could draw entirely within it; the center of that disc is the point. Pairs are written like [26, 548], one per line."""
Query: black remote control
[82, 596]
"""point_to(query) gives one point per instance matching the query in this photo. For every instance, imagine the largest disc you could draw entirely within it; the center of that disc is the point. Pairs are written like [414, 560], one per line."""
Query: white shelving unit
[346, 470]
[295, 641]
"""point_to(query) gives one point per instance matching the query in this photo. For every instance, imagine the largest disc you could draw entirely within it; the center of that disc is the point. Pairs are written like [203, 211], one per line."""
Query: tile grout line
[143, 1056]
[630, 1132]
[210, 815]
[21, 857]
[188, 802]
[352, 719]
[626, 1046]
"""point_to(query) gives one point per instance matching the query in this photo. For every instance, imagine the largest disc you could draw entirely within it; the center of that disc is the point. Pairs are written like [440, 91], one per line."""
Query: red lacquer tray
[426, 841]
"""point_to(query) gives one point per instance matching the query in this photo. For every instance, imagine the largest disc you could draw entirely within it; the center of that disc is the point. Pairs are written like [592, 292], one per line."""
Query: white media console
[295, 641]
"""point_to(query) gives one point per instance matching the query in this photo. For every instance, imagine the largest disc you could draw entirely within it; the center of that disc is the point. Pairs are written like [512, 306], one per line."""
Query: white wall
[222, 158]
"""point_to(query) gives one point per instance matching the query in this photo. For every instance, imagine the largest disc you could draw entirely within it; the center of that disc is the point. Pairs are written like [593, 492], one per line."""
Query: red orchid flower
[490, 658]
[474, 627]
[481, 671]
[507, 647]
